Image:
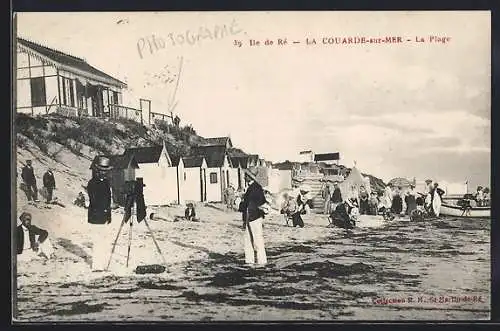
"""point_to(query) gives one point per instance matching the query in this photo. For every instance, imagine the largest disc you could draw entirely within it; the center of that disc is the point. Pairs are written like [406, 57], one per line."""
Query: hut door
[203, 185]
[239, 178]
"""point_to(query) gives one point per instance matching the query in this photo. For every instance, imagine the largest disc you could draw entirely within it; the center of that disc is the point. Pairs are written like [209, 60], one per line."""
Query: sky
[397, 110]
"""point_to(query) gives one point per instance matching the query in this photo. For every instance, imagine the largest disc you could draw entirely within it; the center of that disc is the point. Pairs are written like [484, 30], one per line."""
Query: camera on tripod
[134, 195]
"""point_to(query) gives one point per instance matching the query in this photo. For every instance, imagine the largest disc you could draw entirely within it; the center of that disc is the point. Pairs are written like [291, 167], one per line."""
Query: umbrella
[332, 178]
[400, 182]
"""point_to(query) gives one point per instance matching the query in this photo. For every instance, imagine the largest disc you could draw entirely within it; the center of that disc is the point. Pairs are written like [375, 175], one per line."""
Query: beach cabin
[48, 80]
[253, 160]
[160, 174]
[237, 174]
[219, 141]
[124, 168]
[194, 175]
[218, 168]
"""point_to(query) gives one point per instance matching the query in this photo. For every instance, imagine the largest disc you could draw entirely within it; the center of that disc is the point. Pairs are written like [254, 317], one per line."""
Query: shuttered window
[213, 178]
[38, 96]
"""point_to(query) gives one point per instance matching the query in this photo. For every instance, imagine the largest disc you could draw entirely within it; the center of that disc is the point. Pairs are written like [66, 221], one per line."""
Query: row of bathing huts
[201, 176]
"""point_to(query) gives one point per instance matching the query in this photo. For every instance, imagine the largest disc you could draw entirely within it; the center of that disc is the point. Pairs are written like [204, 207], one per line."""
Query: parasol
[400, 182]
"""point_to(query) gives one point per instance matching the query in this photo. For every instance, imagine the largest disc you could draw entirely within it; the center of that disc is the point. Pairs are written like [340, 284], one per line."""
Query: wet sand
[314, 273]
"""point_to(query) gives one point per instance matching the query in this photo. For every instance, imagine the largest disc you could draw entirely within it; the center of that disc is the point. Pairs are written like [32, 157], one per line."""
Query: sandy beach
[314, 273]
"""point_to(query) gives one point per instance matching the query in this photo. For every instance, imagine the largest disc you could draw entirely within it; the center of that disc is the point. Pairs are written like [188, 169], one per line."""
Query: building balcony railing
[119, 111]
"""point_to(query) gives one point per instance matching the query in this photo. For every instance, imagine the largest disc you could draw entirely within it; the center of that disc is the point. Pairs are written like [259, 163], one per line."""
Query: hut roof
[192, 161]
[145, 154]
[214, 155]
[71, 61]
[327, 157]
[218, 141]
[119, 161]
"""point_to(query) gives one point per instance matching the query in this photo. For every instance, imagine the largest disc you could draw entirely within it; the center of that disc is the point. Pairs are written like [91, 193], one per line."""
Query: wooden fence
[119, 111]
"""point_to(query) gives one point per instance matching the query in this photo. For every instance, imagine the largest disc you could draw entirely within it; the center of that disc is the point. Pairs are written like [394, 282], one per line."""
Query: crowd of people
[252, 202]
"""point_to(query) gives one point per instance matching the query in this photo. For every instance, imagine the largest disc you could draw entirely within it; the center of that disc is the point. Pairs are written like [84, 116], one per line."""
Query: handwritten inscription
[154, 43]
[348, 40]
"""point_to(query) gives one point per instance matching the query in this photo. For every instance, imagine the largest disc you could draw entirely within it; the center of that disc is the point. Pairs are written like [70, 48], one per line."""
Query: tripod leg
[156, 244]
[114, 245]
[129, 241]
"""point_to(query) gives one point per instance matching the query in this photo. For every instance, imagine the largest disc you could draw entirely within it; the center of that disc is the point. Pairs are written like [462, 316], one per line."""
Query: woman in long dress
[363, 200]
[411, 200]
[397, 202]
[387, 197]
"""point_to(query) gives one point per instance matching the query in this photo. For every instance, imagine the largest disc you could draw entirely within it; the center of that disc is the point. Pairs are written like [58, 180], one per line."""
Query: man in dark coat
[99, 211]
[29, 180]
[49, 183]
[253, 204]
[31, 241]
[336, 196]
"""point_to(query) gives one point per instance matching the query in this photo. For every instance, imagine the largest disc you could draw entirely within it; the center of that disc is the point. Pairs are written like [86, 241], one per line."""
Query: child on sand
[190, 213]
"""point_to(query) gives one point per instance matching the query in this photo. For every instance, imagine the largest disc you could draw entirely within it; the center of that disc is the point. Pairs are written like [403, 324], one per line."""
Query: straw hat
[103, 163]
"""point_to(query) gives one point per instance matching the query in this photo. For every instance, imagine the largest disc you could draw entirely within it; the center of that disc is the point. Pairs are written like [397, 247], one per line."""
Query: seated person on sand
[190, 213]
[345, 215]
[419, 212]
[32, 242]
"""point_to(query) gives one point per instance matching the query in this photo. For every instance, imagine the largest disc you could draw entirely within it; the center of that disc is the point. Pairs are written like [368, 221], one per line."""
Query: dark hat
[427, 181]
[103, 163]
[190, 205]
[24, 215]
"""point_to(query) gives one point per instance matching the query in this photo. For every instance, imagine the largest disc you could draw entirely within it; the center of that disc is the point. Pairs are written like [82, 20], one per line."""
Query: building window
[67, 92]
[38, 97]
[213, 178]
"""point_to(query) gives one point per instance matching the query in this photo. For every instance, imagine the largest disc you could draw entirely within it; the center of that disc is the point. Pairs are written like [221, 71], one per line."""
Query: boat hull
[457, 211]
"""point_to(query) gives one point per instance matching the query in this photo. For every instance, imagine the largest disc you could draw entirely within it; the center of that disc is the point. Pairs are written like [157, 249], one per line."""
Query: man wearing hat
[49, 183]
[336, 196]
[29, 180]
[254, 208]
[32, 242]
[99, 211]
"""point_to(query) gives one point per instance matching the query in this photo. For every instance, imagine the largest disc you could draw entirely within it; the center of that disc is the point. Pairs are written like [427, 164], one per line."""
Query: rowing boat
[458, 211]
